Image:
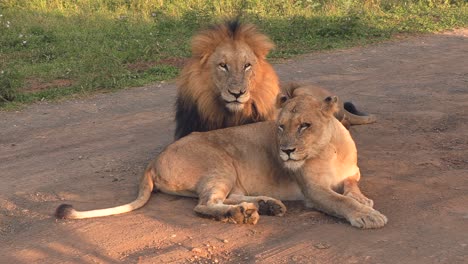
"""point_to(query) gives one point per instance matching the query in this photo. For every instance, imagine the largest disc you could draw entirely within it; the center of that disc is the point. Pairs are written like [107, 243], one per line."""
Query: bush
[10, 82]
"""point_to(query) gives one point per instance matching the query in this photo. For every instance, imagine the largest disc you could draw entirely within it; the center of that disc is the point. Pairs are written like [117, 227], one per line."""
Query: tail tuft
[64, 211]
[356, 117]
[350, 107]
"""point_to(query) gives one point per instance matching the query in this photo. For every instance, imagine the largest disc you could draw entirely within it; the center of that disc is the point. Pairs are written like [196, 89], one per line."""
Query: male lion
[227, 82]
[305, 155]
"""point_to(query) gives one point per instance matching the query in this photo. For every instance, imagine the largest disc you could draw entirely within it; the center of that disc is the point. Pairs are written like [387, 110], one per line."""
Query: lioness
[347, 112]
[307, 154]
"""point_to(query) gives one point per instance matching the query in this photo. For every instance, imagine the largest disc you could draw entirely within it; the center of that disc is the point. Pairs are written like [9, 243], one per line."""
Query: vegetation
[55, 48]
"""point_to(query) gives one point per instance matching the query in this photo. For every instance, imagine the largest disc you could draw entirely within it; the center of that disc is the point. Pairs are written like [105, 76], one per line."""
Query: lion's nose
[288, 151]
[238, 94]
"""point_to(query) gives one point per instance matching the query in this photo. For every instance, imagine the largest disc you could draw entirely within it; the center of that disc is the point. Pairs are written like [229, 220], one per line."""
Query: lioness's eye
[223, 65]
[247, 66]
[304, 126]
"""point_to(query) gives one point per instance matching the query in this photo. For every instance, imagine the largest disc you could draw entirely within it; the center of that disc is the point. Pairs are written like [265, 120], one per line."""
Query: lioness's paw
[271, 207]
[368, 218]
[361, 198]
[244, 213]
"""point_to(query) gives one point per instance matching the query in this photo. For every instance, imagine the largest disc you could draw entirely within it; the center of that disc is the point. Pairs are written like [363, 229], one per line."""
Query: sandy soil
[91, 152]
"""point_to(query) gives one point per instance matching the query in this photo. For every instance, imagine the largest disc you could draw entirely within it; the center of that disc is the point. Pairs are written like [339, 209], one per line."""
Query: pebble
[322, 245]
[196, 250]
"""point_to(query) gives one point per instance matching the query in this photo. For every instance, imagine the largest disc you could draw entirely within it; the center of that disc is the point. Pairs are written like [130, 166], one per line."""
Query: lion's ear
[262, 46]
[281, 99]
[258, 42]
[201, 48]
[204, 44]
[330, 105]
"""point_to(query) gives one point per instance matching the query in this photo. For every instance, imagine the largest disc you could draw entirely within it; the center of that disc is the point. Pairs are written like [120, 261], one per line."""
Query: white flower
[1, 72]
[20, 35]
[24, 42]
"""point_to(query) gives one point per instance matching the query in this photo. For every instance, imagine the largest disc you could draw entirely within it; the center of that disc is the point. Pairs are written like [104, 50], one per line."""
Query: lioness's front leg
[266, 205]
[330, 202]
[351, 189]
[211, 203]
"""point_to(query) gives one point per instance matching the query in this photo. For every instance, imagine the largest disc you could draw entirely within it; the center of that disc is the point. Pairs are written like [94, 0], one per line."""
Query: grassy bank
[55, 48]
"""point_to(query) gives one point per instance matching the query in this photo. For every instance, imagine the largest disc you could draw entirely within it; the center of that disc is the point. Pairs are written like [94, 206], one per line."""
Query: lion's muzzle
[235, 100]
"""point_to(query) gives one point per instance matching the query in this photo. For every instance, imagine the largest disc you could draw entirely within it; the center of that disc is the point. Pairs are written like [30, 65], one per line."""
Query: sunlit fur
[294, 165]
[347, 113]
[236, 172]
[203, 98]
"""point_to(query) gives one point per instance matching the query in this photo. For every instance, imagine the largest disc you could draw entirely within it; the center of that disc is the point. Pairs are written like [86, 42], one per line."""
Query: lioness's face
[302, 125]
[233, 65]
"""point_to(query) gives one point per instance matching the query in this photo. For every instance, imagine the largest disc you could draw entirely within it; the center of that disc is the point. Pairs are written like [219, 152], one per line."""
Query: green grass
[51, 49]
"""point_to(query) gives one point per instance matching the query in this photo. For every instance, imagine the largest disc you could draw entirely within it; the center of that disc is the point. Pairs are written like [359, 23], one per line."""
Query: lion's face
[303, 129]
[232, 65]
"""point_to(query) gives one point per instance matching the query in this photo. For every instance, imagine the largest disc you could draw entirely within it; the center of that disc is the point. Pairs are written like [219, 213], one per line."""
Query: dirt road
[91, 152]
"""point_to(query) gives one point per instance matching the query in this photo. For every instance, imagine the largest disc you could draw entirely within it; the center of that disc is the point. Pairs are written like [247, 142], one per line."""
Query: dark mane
[233, 27]
[198, 107]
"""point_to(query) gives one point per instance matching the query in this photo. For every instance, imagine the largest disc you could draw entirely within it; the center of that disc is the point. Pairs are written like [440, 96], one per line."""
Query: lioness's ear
[280, 100]
[330, 105]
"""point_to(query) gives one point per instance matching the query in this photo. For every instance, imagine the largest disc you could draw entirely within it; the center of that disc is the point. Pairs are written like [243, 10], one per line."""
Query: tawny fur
[200, 106]
[235, 172]
[347, 112]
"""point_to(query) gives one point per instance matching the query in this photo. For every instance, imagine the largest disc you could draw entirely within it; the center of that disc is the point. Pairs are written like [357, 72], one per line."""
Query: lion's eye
[247, 66]
[304, 126]
[281, 128]
[223, 66]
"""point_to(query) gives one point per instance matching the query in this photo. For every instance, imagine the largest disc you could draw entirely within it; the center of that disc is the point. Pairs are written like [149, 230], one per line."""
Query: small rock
[322, 245]
[196, 250]
[225, 241]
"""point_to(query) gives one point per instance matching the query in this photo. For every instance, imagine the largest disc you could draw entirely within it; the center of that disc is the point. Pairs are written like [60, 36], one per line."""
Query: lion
[227, 82]
[347, 114]
[241, 172]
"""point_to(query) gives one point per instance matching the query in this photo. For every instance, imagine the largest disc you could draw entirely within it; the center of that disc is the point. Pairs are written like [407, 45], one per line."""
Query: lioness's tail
[356, 117]
[66, 211]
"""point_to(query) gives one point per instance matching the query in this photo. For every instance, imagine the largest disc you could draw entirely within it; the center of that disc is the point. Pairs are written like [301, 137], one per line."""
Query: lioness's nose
[288, 151]
[238, 94]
